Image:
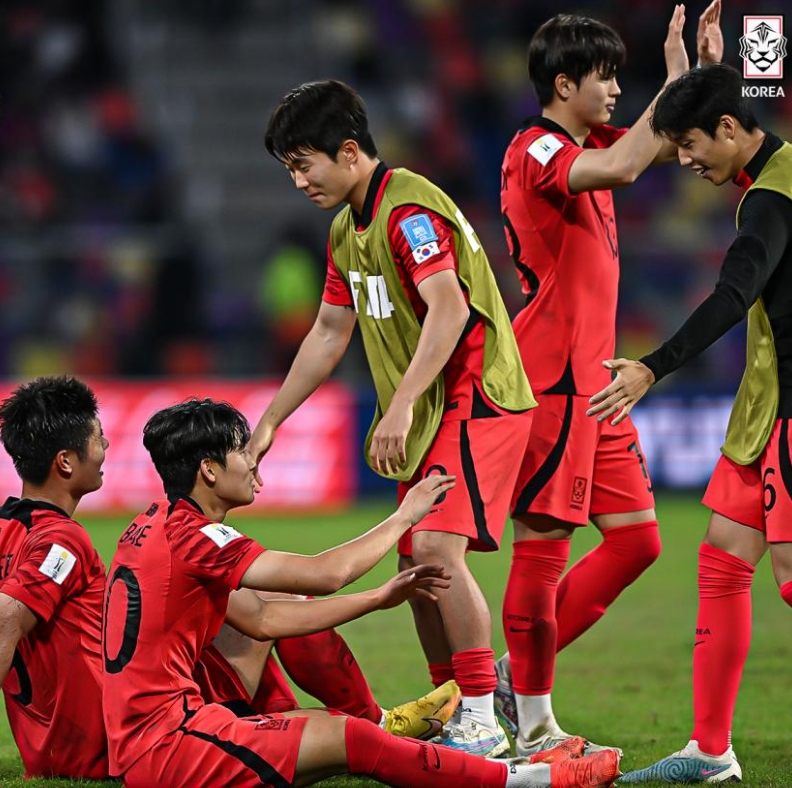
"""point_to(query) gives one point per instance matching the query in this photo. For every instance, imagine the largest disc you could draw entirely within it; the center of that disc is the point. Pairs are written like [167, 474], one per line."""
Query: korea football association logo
[763, 47]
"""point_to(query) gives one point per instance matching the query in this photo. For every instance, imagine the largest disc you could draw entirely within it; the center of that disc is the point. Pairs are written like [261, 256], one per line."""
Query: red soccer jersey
[53, 692]
[463, 371]
[567, 256]
[167, 593]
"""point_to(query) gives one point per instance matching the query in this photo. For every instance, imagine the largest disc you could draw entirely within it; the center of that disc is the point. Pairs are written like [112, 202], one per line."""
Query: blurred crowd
[100, 274]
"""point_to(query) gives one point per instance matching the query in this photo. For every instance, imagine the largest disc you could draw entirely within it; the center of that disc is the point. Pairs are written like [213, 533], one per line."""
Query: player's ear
[729, 126]
[563, 86]
[348, 153]
[63, 463]
[207, 471]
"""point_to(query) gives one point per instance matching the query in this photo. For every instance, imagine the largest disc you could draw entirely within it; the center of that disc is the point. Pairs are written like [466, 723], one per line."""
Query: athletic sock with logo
[723, 636]
[323, 666]
[407, 763]
[529, 606]
[593, 583]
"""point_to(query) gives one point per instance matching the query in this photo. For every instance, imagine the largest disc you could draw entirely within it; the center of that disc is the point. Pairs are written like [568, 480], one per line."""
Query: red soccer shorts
[758, 495]
[576, 467]
[213, 749]
[220, 683]
[484, 455]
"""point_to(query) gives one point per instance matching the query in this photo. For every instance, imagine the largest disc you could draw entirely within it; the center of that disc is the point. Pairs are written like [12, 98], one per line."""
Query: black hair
[318, 117]
[699, 99]
[43, 417]
[572, 45]
[179, 437]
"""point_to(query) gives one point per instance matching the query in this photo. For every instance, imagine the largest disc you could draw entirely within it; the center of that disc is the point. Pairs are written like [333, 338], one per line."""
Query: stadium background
[149, 244]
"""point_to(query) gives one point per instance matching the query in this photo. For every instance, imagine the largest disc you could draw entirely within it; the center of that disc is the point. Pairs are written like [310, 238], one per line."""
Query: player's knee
[648, 546]
[437, 547]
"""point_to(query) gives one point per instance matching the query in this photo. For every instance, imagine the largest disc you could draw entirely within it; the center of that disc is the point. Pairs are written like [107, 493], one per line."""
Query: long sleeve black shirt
[758, 263]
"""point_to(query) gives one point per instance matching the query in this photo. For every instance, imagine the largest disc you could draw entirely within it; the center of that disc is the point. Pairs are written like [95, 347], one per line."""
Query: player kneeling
[169, 590]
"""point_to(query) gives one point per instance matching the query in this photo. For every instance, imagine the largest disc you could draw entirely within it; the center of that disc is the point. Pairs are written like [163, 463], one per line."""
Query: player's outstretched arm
[16, 621]
[333, 569]
[266, 619]
[633, 379]
[629, 156]
[446, 316]
[318, 356]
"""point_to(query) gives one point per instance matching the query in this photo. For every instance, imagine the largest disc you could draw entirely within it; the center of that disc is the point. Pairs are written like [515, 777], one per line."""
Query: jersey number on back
[129, 639]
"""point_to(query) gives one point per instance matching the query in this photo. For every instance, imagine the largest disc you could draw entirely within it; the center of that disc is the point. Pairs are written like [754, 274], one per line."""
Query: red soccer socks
[594, 582]
[723, 635]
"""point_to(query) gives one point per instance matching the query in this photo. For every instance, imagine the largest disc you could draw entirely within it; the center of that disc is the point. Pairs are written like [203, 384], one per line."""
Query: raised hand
[633, 379]
[418, 581]
[709, 36]
[422, 497]
[675, 55]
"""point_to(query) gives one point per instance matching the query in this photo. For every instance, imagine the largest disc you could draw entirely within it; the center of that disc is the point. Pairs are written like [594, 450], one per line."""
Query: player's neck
[357, 197]
[48, 493]
[213, 507]
[749, 145]
[559, 114]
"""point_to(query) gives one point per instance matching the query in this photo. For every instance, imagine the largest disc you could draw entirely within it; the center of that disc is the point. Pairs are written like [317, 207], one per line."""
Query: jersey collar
[22, 509]
[748, 175]
[379, 179]
[175, 500]
[538, 121]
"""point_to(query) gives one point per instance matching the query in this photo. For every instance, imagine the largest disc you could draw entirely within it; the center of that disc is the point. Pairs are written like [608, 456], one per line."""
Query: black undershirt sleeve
[764, 232]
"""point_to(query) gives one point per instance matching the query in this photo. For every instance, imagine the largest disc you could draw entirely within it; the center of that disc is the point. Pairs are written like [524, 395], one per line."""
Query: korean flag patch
[544, 148]
[58, 564]
[425, 252]
[418, 230]
[220, 534]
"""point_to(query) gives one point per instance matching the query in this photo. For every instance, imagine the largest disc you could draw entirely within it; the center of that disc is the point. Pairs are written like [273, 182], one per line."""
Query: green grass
[626, 682]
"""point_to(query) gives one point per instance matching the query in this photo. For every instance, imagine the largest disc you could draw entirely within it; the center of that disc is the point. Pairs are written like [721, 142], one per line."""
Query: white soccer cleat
[689, 765]
[475, 739]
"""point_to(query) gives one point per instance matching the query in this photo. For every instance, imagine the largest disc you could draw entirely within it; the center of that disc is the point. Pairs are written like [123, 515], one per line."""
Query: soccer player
[557, 205]
[404, 263]
[170, 588]
[750, 492]
[239, 672]
[52, 581]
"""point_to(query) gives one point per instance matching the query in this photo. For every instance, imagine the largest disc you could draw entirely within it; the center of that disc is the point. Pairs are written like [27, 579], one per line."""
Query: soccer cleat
[424, 718]
[505, 702]
[689, 765]
[475, 739]
[554, 737]
[597, 770]
[565, 750]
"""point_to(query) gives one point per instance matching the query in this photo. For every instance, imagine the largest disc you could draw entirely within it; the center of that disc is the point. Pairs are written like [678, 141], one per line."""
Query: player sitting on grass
[52, 581]
[169, 590]
[750, 492]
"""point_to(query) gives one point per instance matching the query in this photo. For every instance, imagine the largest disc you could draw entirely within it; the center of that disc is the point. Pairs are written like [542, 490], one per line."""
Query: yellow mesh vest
[390, 328]
[756, 405]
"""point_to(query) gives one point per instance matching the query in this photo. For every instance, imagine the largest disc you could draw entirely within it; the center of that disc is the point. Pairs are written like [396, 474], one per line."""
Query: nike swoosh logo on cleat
[433, 728]
[716, 770]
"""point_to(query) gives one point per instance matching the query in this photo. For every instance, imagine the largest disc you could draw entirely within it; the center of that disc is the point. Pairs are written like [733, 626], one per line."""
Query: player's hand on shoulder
[675, 55]
[422, 497]
[418, 581]
[633, 379]
[709, 36]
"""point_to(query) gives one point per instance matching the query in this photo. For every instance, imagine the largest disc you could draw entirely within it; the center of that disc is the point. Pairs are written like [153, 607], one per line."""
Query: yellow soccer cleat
[424, 718]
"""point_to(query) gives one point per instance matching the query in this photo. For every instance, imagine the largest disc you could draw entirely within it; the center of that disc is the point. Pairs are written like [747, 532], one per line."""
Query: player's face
[325, 182]
[594, 100]
[235, 484]
[87, 475]
[712, 159]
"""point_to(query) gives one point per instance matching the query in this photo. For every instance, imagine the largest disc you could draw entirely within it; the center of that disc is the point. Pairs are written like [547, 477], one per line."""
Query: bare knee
[438, 547]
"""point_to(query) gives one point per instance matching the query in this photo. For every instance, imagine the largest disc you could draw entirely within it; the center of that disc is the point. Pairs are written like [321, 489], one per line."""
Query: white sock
[480, 709]
[535, 775]
[382, 718]
[535, 713]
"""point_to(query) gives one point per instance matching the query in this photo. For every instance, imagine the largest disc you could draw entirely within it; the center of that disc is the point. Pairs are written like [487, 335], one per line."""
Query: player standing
[750, 492]
[404, 263]
[169, 590]
[52, 581]
[558, 214]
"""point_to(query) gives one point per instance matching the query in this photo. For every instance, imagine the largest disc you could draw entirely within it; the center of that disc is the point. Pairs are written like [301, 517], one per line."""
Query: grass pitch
[626, 682]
